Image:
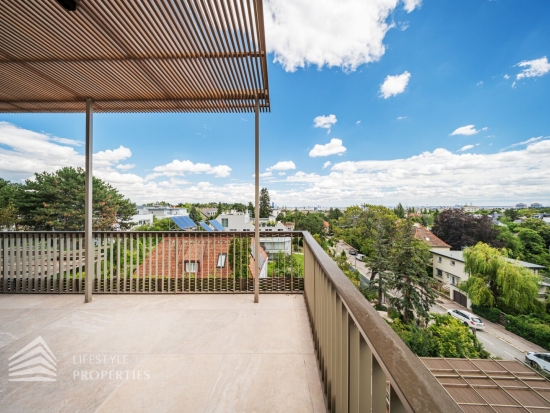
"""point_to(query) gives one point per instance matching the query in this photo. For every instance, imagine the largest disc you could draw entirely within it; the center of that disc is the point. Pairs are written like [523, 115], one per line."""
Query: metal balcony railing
[364, 365]
[149, 262]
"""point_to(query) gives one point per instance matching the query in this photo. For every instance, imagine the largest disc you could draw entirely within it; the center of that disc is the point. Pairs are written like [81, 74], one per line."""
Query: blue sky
[398, 78]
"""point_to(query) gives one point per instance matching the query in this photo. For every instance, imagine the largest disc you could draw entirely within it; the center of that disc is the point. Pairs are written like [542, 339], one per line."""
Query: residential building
[209, 212]
[448, 270]
[469, 208]
[433, 240]
[161, 211]
[289, 225]
[536, 205]
[142, 219]
[240, 221]
[521, 206]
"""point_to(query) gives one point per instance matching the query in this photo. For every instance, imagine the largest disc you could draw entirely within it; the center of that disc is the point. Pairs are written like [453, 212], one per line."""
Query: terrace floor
[170, 353]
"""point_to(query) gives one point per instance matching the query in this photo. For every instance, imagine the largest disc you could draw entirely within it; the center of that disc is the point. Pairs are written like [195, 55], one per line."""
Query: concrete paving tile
[77, 388]
[176, 383]
[267, 331]
[18, 322]
[197, 331]
[256, 383]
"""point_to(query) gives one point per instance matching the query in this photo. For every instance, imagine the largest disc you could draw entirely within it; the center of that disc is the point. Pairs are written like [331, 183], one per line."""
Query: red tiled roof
[434, 241]
[203, 250]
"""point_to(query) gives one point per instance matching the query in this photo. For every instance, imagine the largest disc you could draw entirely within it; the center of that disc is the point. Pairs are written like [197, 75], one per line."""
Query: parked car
[539, 361]
[360, 257]
[352, 252]
[468, 319]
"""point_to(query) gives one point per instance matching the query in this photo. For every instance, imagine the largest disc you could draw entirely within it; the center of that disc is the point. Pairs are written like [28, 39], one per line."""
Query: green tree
[378, 226]
[281, 217]
[494, 280]
[239, 256]
[410, 257]
[511, 213]
[540, 227]
[534, 249]
[446, 337]
[195, 215]
[334, 214]
[265, 204]
[251, 211]
[55, 201]
[511, 242]
[400, 211]
[8, 216]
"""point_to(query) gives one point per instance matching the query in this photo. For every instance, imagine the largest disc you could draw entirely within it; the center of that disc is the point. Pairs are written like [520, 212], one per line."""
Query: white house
[470, 208]
[240, 221]
[142, 219]
[161, 211]
[448, 269]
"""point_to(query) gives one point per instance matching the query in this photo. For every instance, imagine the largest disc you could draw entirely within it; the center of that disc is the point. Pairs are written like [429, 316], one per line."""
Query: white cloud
[282, 166]
[125, 167]
[394, 85]
[480, 83]
[466, 147]
[111, 157]
[177, 167]
[527, 142]
[327, 164]
[533, 68]
[410, 5]
[65, 141]
[281, 173]
[358, 122]
[325, 122]
[328, 32]
[467, 130]
[401, 117]
[506, 77]
[439, 177]
[334, 147]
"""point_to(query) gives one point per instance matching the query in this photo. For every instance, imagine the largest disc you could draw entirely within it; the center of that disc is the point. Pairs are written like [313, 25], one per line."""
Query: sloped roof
[133, 56]
[433, 240]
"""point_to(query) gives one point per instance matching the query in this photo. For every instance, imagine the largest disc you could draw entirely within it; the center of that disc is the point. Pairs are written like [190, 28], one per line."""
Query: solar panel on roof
[205, 227]
[217, 226]
[184, 222]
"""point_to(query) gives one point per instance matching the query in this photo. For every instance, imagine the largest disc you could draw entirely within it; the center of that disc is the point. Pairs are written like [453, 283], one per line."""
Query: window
[452, 263]
[439, 273]
[221, 260]
[191, 266]
[438, 259]
[225, 222]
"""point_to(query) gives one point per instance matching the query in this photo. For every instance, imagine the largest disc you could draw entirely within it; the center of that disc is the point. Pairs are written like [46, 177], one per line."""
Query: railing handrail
[249, 233]
[417, 388]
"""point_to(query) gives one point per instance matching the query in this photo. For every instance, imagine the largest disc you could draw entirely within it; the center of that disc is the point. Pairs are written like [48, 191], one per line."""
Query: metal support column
[257, 207]
[88, 202]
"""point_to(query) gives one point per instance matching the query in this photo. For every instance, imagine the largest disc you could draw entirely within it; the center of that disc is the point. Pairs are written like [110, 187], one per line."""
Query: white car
[468, 319]
[539, 361]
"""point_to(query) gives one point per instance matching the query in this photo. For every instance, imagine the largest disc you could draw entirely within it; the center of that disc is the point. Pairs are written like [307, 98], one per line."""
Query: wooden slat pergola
[133, 56]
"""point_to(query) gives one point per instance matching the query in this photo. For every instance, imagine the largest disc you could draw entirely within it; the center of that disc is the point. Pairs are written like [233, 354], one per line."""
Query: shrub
[530, 328]
[489, 313]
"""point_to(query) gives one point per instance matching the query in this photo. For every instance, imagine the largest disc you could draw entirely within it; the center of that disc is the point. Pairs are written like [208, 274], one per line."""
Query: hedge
[489, 313]
[529, 328]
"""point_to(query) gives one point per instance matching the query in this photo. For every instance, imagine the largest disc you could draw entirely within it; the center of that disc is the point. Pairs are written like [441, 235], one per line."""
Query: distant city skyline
[420, 102]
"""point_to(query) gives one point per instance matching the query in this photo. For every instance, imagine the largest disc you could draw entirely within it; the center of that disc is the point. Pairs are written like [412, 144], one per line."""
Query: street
[495, 345]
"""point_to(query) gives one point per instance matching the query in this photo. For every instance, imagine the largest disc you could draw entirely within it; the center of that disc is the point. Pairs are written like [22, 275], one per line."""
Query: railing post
[378, 387]
[257, 206]
[88, 203]
[396, 406]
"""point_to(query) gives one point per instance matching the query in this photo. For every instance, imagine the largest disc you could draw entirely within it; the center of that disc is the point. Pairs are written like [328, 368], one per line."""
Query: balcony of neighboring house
[173, 325]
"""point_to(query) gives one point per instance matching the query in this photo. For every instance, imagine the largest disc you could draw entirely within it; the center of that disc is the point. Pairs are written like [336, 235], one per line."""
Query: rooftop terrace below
[180, 353]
